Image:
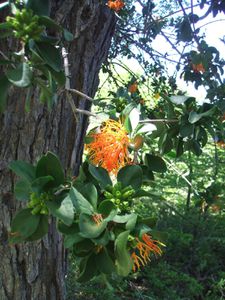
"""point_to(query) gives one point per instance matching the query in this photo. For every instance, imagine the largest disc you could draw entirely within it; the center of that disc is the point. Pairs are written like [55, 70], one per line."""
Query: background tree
[36, 271]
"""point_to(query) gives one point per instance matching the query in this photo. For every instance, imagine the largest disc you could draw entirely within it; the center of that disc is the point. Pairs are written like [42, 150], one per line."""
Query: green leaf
[196, 148]
[186, 130]
[59, 77]
[179, 147]
[24, 223]
[90, 193]
[101, 175]
[84, 247]
[165, 143]
[41, 230]
[130, 175]
[64, 210]
[72, 239]
[123, 258]
[103, 239]
[148, 175]
[88, 227]
[39, 183]
[68, 35]
[111, 216]
[194, 117]
[105, 207]
[23, 169]
[127, 124]
[39, 7]
[124, 218]
[134, 117]
[50, 54]
[128, 109]
[178, 99]
[49, 23]
[130, 225]
[146, 128]
[49, 165]
[104, 262]
[88, 270]
[155, 163]
[81, 204]
[169, 107]
[22, 190]
[21, 76]
[67, 230]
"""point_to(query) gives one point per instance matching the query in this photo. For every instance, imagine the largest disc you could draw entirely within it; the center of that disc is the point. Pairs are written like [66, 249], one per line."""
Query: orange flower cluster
[133, 88]
[116, 5]
[109, 148]
[198, 68]
[144, 249]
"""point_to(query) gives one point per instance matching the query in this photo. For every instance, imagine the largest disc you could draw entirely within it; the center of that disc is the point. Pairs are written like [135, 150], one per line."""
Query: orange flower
[223, 117]
[215, 208]
[109, 148]
[221, 144]
[97, 218]
[115, 5]
[133, 88]
[198, 68]
[143, 250]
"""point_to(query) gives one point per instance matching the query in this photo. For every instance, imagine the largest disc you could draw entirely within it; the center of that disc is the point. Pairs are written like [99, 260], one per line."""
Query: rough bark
[36, 270]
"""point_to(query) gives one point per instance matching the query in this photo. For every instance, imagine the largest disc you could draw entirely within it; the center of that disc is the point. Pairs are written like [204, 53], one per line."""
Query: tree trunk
[37, 270]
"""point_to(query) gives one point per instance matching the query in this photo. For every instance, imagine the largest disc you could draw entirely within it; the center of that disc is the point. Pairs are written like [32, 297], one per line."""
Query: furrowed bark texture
[36, 270]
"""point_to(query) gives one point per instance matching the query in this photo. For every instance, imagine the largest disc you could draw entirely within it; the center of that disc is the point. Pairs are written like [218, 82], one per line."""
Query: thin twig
[68, 89]
[80, 94]
[214, 21]
[175, 12]
[182, 176]
[159, 120]
[86, 112]
[66, 68]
